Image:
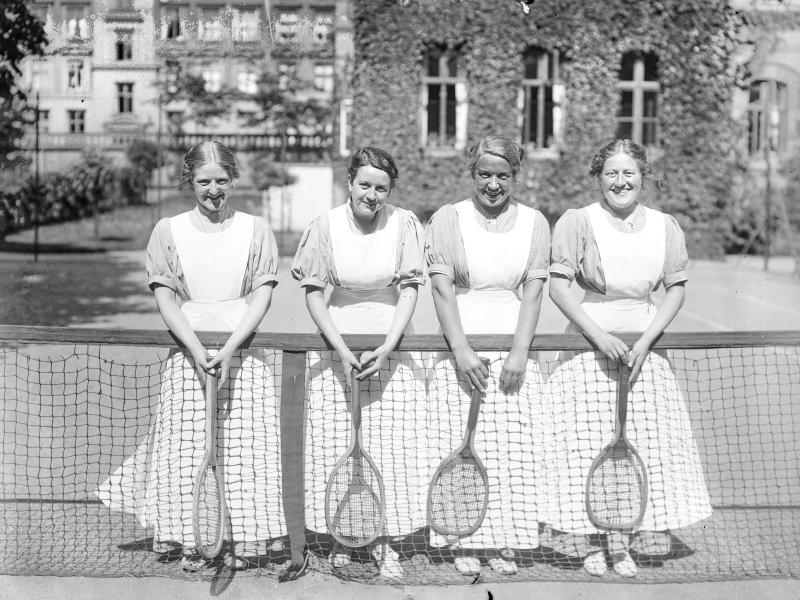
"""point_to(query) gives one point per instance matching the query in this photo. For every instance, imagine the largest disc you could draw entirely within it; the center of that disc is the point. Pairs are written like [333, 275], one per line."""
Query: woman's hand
[513, 373]
[349, 362]
[373, 361]
[221, 361]
[637, 356]
[201, 363]
[611, 346]
[470, 364]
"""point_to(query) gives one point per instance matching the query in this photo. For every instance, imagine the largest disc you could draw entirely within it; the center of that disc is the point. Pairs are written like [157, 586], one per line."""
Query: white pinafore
[582, 393]
[393, 400]
[156, 482]
[507, 437]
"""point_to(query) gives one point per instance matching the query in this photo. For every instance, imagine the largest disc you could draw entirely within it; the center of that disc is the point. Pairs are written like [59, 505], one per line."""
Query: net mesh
[616, 489]
[354, 506]
[101, 443]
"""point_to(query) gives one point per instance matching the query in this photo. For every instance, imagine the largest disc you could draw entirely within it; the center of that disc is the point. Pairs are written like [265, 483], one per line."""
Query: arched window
[768, 108]
[539, 88]
[638, 116]
[443, 99]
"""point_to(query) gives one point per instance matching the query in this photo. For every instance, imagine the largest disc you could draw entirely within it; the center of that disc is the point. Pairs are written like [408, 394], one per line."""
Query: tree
[22, 35]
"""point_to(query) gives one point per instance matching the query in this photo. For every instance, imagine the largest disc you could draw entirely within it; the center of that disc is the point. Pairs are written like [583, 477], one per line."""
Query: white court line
[703, 319]
[753, 299]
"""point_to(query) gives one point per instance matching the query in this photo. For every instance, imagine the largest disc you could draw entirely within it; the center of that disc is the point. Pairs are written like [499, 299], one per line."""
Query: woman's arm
[373, 360]
[257, 307]
[611, 346]
[178, 324]
[467, 361]
[672, 303]
[315, 302]
[513, 373]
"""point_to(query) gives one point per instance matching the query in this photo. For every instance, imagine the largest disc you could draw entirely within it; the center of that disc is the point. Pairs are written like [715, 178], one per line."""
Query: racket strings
[458, 497]
[210, 519]
[354, 502]
[616, 491]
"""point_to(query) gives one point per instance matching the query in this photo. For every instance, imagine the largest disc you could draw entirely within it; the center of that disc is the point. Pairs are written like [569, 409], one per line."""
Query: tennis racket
[208, 520]
[355, 502]
[459, 492]
[616, 488]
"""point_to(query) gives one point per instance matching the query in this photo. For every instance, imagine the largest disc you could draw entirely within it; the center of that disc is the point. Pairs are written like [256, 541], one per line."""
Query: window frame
[539, 85]
[123, 44]
[772, 104]
[460, 90]
[638, 86]
[124, 97]
[76, 120]
[78, 67]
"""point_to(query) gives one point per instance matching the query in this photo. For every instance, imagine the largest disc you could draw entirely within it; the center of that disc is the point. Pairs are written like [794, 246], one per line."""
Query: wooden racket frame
[209, 460]
[355, 449]
[620, 440]
[464, 450]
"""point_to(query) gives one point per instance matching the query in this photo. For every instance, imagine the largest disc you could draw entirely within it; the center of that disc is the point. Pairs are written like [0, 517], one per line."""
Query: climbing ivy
[694, 41]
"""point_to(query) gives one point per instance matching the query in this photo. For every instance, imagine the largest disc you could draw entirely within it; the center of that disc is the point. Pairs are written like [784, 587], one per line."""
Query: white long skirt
[392, 431]
[155, 483]
[581, 401]
[508, 441]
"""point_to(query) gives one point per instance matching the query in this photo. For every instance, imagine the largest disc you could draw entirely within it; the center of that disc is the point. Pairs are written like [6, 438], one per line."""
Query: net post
[293, 384]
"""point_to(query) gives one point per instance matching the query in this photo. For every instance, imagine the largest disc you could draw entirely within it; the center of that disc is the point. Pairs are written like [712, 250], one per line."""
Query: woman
[619, 252]
[370, 254]
[480, 252]
[211, 268]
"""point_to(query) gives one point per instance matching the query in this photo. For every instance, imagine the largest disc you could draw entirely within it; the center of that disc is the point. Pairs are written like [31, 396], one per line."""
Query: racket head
[355, 501]
[616, 488]
[458, 496]
[208, 518]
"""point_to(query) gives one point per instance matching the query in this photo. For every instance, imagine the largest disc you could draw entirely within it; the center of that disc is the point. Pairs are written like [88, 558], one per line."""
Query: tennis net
[97, 468]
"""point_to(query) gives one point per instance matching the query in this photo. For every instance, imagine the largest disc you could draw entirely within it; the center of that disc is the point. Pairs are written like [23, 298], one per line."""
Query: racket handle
[355, 389]
[211, 408]
[622, 395]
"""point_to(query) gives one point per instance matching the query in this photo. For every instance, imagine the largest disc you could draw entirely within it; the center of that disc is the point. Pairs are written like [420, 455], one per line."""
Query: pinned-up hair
[624, 146]
[206, 153]
[499, 146]
[370, 156]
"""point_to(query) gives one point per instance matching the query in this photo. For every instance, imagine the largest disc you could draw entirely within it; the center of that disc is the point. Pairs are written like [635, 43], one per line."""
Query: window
[213, 80]
[286, 25]
[443, 99]
[174, 119]
[247, 82]
[639, 107]
[287, 73]
[245, 25]
[76, 17]
[324, 78]
[75, 74]
[322, 29]
[125, 97]
[210, 27]
[124, 44]
[768, 110]
[539, 98]
[44, 121]
[171, 23]
[77, 121]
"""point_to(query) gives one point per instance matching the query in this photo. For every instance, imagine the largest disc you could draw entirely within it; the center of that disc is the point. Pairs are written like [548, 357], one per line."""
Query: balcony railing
[298, 146]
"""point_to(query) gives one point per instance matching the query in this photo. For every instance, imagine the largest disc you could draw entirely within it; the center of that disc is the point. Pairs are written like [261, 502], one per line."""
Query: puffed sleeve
[566, 254]
[676, 259]
[161, 262]
[262, 266]
[444, 248]
[411, 244]
[310, 265]
[539, 257]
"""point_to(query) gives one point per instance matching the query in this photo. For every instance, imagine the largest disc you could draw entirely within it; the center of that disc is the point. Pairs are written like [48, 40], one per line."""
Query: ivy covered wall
[694, 41]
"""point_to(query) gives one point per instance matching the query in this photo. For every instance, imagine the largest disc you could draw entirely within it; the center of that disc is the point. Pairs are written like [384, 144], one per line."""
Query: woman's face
[494, 181]
[211, 184]
[368, 191]
[621, 181]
